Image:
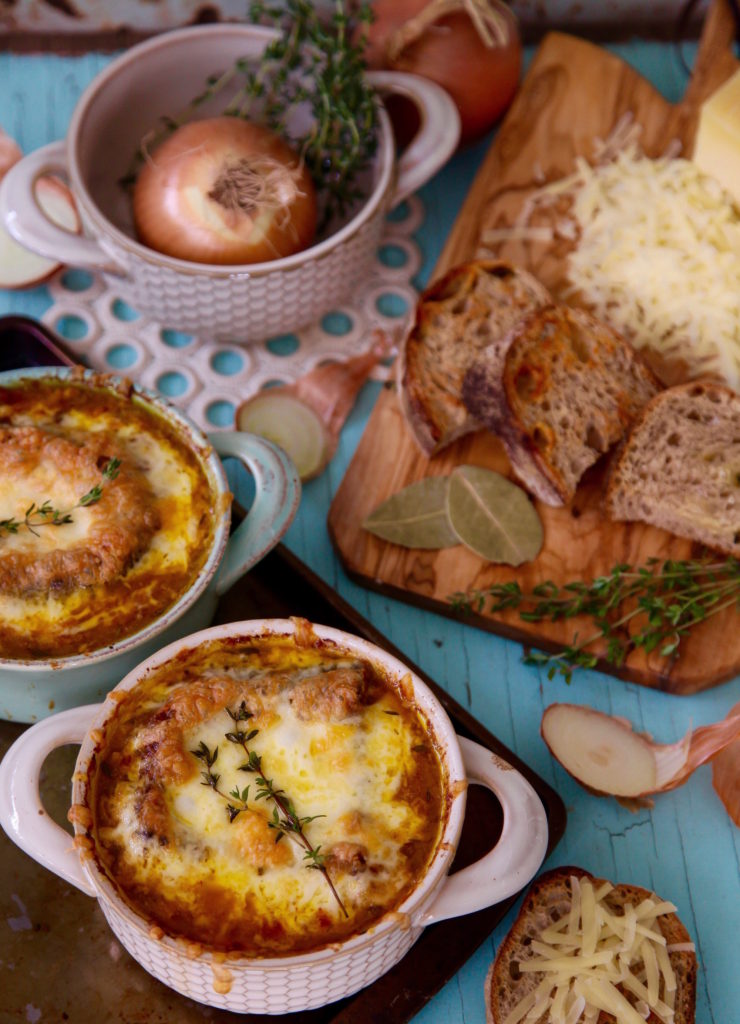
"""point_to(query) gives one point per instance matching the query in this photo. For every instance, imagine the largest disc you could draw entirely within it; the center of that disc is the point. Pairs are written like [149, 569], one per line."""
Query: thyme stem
[285, 820]
[671, 597]
[46, 515]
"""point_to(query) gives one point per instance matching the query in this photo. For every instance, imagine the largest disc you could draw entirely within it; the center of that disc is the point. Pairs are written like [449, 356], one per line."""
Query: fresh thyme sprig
[315, 66]
[318, 64]
[285, 819]
[648, 608]
[46, 515]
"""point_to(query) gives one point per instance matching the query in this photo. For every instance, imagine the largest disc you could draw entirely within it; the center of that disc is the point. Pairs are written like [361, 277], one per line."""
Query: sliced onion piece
[290, 423]
[606, 756]
[306, 418]
[726, 775]
[10, 152]
[21, 268]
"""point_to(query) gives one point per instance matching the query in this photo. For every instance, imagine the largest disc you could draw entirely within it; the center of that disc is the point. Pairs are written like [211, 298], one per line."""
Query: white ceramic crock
[239, 303]
[285, 984]
[31, 689]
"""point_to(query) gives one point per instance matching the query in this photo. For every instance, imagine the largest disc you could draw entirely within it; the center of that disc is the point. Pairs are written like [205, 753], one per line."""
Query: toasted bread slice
[559, 392]
[549, 901]
[680, 466]
[473, 306]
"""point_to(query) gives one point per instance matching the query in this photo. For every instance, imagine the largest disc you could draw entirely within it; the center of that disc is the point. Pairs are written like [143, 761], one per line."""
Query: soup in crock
[106, 515]
[265, 795]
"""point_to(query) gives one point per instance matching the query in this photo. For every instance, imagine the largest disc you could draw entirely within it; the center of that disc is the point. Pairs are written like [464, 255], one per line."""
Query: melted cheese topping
[350, 755]
[594, 957]
[168, 523]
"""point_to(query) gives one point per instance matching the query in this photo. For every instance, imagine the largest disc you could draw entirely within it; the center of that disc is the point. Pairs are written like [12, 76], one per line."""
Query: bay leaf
[492, 516]
[415, 517]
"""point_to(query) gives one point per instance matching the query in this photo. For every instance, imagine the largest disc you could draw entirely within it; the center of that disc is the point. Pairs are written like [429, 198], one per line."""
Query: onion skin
[481, 80]
[195, 198]
[610, 743]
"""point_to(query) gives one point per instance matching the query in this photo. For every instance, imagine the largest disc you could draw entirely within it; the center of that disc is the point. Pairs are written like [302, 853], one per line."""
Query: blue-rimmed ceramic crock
[31, 689]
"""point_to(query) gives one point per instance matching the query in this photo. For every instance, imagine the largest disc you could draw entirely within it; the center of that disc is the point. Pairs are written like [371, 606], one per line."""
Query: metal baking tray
[59, 960]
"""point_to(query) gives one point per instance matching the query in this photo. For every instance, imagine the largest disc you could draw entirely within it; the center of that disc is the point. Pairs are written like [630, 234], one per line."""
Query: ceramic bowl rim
[198, 441]
[437, 721]
[109, 232]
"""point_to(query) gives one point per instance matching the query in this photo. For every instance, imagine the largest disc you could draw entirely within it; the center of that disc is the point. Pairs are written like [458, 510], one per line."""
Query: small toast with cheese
[584, 950]
[471, 307]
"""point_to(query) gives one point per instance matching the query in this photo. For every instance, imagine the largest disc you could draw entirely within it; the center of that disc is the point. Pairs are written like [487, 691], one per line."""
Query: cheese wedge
[717, 145]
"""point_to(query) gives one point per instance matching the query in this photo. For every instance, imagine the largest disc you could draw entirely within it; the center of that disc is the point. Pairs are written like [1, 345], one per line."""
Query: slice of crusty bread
[559, 392]
[547, 901]
[469, 308]
[680, 466]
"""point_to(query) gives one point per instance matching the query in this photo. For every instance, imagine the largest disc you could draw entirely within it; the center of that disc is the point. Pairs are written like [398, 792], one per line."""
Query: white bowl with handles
[242, 302]
[32, 688]
[301, 981]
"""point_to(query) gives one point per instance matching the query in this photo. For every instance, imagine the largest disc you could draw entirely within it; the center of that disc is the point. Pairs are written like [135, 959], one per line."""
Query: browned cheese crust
[471, 307]
[547, 901]
[123, 521]
[149, 762]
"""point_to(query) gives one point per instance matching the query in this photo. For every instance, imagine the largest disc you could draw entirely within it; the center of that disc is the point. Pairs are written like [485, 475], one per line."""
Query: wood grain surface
[574, 93]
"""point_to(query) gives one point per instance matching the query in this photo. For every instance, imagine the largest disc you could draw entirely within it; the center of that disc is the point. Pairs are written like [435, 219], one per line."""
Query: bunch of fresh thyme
[285, 820]
[650, 608]
[46, 515]
[317, 64]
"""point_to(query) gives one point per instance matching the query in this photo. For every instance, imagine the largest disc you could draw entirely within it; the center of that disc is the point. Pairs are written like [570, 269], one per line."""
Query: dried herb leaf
[492, 516]
[416, 516]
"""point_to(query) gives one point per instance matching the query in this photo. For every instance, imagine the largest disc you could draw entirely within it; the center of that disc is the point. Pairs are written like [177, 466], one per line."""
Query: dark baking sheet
[59, 959]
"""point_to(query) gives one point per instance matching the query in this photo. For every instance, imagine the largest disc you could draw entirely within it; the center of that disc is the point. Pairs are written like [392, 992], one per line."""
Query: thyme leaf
[46, 515]
[315, 66]
[285, 820]
[650, 608]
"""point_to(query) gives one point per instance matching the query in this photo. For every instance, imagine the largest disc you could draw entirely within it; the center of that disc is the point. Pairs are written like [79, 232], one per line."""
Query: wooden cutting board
[573, 93]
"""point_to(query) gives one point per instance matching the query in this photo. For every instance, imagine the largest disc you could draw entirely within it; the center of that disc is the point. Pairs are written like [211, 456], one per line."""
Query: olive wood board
[573, 93]
[60, 957]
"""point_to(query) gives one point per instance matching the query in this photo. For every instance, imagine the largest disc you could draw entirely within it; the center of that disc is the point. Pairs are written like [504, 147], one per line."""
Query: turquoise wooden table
[686, 848]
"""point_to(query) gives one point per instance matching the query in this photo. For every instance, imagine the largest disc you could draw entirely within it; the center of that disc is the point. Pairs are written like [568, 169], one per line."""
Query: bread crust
[470, 307]
[557, 364]
[551, 890]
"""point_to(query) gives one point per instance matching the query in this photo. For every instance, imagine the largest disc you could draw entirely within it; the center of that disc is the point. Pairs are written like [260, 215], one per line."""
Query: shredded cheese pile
[592, 954]
[656, 253]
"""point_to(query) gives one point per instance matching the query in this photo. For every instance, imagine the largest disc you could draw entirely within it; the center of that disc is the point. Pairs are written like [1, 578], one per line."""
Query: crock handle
[29, 225]
[516, 857]
[22, 814]
[277, 496]
[438, 136]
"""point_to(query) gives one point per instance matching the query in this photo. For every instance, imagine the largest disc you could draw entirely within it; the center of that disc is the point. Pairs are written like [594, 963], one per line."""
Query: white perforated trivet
[209, 380]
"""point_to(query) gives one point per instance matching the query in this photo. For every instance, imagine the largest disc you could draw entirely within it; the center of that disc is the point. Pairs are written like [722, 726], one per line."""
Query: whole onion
[471, 48]
[225, 191]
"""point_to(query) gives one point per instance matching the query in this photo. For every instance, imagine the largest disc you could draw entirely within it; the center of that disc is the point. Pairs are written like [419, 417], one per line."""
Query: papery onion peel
[608, 758]
[305, 418]
[471, 48]
[225, 191]
[726, 774]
